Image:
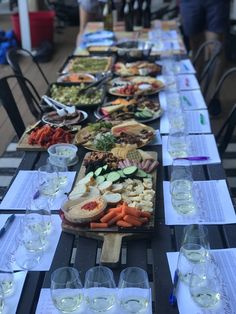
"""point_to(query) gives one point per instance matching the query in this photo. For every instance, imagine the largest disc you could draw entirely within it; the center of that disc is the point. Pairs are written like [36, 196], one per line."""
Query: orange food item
[108, 216]
[146, 214]
[114, 219]
[124, 224]
[48, 135]
[133, 211]
[133, 220]
[95, 225]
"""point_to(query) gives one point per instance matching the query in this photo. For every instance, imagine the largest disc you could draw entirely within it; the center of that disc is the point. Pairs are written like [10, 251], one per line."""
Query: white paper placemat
[200, 145]
[21, 191]
[226, 261]
[7, 243]
[187, 82]
[197, 122]
[45, 306]
[212, 198]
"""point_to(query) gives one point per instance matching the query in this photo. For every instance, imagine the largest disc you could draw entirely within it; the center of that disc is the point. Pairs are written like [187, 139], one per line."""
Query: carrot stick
[95, 225]
[115, 219]
[108, 216]
[124, 224]
[133, 211]
[133, 220]
[144, 220]
[146, 214]
[115, 209]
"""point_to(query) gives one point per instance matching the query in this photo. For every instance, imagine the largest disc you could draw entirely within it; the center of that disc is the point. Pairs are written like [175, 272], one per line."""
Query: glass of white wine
[205, 284]
[181, 187]
[177, 143]
[24, 258]
[32, 231]
[7, 277]
[134, 290]
[48, 181]
[66, 289]
[100, 289]
[190, 254]
[42, 206]
[2, 301]
[197, 234]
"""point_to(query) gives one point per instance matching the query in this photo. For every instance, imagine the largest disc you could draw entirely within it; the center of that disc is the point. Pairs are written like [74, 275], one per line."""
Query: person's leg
[193, 22]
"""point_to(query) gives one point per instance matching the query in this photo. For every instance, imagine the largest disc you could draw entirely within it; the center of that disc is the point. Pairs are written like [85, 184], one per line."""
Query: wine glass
[205, 284]
[197, 234]
[189, 255]
[2, 301]
[181, 187]
[100, 289]
[32, 231]
[66, 289]
[177, 143]
[6, 277]
[24, 258]
[42, 207]
[48, 180]
[60, 166]
[134, 290]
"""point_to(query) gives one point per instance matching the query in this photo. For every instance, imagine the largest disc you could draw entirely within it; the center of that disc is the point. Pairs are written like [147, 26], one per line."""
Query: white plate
[83, 117]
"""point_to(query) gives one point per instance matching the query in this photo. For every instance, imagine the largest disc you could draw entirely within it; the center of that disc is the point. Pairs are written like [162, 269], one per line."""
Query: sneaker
[215, 107]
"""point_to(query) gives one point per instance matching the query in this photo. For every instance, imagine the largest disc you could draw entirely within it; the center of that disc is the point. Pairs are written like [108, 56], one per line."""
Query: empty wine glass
[134, 290]
[181, 187]
[2, 301]
[66, 289]
[205, 284]
[197, 234]
[48, 180]
[100, 289]
[189, 255]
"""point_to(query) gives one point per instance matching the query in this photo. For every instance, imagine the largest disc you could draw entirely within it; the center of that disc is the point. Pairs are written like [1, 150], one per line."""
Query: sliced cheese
[109, 109]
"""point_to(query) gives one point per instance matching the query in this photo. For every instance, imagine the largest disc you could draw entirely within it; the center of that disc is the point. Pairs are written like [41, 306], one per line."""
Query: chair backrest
[225, 134]
[8, 101]
[13, 58]
[207, 70]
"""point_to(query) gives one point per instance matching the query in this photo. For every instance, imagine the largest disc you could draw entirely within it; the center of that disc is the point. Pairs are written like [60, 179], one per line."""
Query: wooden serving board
[148, 228]
[23, 144]
[112, 242]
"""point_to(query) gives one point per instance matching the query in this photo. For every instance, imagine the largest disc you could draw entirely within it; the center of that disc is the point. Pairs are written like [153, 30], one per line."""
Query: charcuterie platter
[105, 135]
[135, 85]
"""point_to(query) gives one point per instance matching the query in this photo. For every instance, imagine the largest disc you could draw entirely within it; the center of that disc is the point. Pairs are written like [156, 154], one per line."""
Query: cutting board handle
[111, 248]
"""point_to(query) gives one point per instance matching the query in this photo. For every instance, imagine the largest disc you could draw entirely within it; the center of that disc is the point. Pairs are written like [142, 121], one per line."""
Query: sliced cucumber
[121, 173]
[129, 171]
[141, 174]
[105, 168]
[100, 179]
[113, 176]
[90, 174]
[98, 171]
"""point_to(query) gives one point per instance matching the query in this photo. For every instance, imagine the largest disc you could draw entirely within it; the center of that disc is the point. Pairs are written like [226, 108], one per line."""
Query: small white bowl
[63, 153]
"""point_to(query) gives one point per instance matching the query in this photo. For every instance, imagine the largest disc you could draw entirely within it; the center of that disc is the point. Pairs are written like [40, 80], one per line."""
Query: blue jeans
[204, 15]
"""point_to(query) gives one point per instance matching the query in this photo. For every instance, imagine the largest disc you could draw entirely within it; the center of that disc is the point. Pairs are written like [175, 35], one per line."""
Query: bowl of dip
[63, 153]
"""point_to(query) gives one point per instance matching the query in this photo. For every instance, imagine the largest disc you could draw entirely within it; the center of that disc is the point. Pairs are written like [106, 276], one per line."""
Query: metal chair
[13, 57]
[208, 68]
[7, 99]
[226, 132]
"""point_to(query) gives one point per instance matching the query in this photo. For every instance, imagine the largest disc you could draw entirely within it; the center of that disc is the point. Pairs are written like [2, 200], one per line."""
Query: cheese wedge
[109, 109]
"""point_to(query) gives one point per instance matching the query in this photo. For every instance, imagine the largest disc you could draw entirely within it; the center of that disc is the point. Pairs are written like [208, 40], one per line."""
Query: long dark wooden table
[148, 253]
